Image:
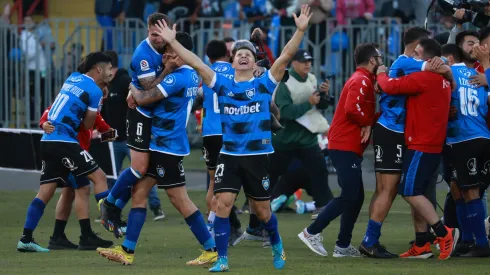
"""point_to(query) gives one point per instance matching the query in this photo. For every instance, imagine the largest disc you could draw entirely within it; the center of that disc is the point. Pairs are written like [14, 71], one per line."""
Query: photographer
[475, 11]
[298, 100]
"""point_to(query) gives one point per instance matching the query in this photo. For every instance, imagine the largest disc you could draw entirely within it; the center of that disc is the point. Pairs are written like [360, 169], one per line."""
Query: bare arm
[151, 95]
[89, 119]
[279, 66]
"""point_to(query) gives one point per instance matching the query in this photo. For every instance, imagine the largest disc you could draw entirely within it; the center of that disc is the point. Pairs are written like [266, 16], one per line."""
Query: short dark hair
[185, 39]
[364, 52]
[460, 36]
[454, 50]
[228, 39]
[431, 47]
[413, 34]
[114, 58]
[216, 49]
[484, 33]
[155, 17]
[81, 66]
[92, 59]
[442, 38]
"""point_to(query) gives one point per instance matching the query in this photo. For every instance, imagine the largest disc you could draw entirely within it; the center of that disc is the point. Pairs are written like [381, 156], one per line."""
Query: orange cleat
[418, 252]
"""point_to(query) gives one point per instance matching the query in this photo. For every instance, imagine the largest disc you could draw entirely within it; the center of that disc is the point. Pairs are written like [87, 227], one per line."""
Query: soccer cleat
[61, 242]
[278, 203]
[221, 265]
[30, 246]
[158, 214]
[206, 257]
[254, 234]
[478, 252]
[462, 248]
[448, 243]
[278, 255]
[300, 207]
[350, 251]
[245, 208]
[123, 227]
[235, 234]
[376, 251]
[317, 212]
[92, 242]
[314, 242]
[116, 254]
[418, 252]
[110, 218]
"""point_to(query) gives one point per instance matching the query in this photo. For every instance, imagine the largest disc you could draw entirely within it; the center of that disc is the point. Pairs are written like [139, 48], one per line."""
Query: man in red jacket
[348, 138]
[425, 133]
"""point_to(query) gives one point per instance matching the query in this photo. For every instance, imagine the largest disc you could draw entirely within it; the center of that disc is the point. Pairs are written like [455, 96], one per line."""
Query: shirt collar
[151, 46]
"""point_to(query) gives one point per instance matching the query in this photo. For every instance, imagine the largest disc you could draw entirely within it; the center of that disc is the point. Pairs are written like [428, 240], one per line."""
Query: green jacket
[293, 135]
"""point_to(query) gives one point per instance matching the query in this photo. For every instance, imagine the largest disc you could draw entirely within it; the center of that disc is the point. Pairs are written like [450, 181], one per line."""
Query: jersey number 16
[469, 101]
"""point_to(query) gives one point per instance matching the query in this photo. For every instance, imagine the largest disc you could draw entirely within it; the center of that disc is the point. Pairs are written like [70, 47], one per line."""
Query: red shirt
[427, 108]
[84, 136]
[355, 110]
[351, 9]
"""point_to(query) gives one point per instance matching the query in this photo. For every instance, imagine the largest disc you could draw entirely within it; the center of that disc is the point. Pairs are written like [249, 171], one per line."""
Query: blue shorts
[77, 182]
[418, 168]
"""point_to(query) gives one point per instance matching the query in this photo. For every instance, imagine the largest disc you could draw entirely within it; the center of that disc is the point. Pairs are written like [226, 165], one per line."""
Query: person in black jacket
[115, 105]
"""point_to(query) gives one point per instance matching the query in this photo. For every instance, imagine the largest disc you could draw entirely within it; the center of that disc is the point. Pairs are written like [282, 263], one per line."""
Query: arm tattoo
[150, 95]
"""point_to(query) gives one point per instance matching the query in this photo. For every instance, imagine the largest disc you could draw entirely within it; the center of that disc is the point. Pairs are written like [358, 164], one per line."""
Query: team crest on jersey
[170, 80]
[250, 93]
[379, 153]
[144, 65]
[486, 167]
[266, 183]
[464, 71]
[222, 69]
[181, 167]
[69, 163]
[471, 166]
[195, 78]
[160, 171]
[76, 79]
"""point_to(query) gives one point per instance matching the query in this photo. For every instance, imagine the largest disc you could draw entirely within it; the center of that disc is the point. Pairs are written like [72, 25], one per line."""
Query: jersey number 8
[469, 101]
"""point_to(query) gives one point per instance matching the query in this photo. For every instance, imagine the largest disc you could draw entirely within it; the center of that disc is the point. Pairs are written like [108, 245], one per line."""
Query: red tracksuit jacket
[427, 108]
[355, 110]
[84, 136]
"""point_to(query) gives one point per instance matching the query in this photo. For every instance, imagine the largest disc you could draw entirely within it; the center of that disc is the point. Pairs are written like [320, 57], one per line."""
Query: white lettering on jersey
[192, 91]
[242, 110]
[72, 89]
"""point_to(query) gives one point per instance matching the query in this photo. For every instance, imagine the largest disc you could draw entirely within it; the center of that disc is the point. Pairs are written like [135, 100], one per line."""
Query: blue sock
[476, 219]
[271, 228]
[124, 198]
[128, 178]
[222, 233]
[101, 195]
[136, 219]
[373, 232]
[200, 230]
[34, 213]
[464, 226]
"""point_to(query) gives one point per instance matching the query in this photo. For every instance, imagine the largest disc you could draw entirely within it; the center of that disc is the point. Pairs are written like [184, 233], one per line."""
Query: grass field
[164, 247]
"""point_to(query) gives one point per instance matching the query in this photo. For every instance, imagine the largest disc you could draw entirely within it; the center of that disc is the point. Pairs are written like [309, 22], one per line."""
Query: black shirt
[115, 106]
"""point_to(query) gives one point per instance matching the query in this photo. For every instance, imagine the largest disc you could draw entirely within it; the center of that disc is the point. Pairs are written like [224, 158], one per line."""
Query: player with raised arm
[169, 145]
[146, 67]
[244, 105]
[75, 106]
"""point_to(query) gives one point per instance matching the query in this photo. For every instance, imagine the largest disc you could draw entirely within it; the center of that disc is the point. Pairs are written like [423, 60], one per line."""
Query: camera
[325, 100]
[474, 11]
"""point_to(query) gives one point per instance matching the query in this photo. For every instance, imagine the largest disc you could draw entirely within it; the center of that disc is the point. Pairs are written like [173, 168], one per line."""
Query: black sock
[439, 229]
[85, 227]
[127, 249]
[59, 228]
[234, 221]
[27, 235]
[254, 221]
[421, 238]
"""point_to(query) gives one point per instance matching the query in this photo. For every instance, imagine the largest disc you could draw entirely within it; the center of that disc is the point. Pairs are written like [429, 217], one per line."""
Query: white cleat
[314, 242]
[350, 251]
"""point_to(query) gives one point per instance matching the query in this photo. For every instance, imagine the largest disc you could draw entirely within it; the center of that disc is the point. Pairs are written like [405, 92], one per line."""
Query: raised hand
[303, 19]
[165, 32]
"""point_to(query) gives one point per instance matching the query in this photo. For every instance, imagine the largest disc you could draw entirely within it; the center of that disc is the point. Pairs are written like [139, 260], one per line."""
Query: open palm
[303, 18]
[165, 32]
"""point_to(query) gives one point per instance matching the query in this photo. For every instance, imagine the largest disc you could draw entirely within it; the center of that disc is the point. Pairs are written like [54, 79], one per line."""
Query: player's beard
[468, 57]
[375, 69]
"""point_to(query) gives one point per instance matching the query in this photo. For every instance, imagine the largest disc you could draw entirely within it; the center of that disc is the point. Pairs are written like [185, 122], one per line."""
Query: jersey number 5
[58, 104]
[469, 101]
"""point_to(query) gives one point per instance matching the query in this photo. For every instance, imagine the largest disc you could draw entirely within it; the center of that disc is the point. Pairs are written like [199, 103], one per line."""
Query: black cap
[302, 56]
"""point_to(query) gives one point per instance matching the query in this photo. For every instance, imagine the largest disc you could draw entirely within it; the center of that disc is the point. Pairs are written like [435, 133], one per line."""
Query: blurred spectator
[152, 6]
[211, 8]
[284, 10]
[72, 59]
[321, 10]
[176, 10]
[396, 8]
[36, 65]
[106, 11]
[359, 11]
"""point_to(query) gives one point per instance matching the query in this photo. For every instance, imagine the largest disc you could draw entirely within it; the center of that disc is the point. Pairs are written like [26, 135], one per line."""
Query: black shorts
[388, 150]
[251, 172]
[167, 169]
[211, 146]
[471, 161]
[59, 159]
[418, 169]
[138, 130]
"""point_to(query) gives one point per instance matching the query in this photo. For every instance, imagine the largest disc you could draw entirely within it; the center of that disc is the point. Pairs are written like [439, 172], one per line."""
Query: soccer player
[75, 106]
[425, 131]
[244, 106]
[469, 138]
[389, 143]
[347, 139]
[146, 67]
[168, 147]
[212, 139]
